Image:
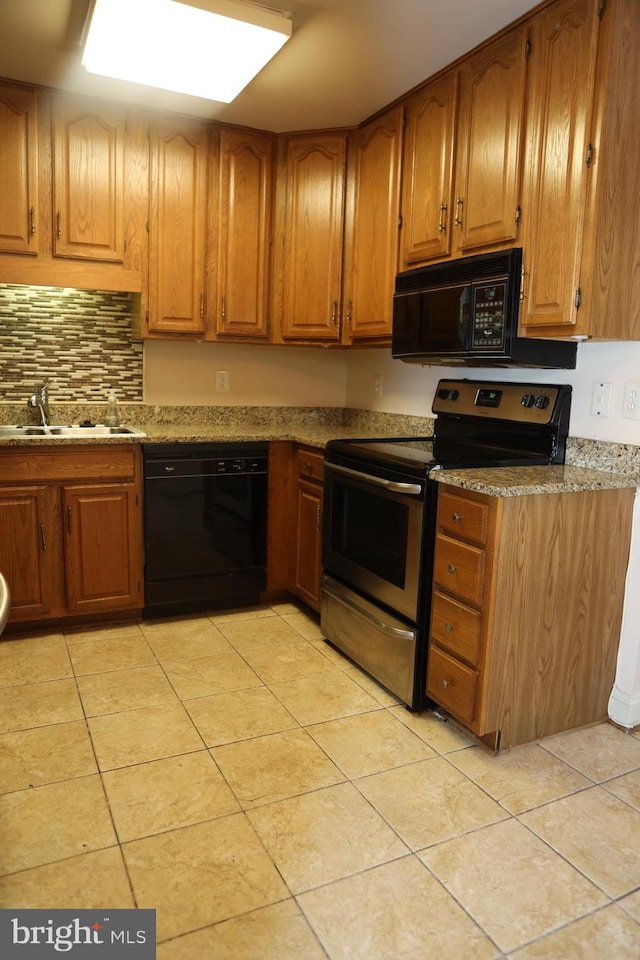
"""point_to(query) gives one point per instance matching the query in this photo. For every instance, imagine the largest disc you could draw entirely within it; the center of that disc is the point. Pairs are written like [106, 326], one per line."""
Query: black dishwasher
[205, 526]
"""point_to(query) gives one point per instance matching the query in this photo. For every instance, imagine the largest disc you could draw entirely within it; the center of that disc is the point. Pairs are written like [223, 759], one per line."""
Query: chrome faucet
[40, 401]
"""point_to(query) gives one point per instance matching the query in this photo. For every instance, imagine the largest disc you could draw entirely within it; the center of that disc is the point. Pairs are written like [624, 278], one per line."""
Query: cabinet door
[561, 84]
[30, 550]
[18, 171]
[177, 227]
[312, 241]
[307, 568]
[372, 227]
[489, 144]
[103, 549]
[427, 191]
[88, 180]
[246, 167]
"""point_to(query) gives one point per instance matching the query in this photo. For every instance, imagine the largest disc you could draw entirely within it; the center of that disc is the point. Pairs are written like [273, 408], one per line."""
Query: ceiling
[345, 60]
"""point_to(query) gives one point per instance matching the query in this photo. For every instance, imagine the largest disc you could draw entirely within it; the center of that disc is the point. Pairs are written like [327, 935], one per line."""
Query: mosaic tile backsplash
[80, 341]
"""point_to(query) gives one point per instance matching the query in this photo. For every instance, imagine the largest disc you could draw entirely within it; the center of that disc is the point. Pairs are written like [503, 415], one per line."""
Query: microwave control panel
[488, 328]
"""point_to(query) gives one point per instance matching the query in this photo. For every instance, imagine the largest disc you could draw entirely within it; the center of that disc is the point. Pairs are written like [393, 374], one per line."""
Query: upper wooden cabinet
[372, 227]
[88, 180]
[19, 214]
[559, 130]
[244, 234]
[177, 226]
[486, 210]
[427, 190]
[473, 115]
[582, 233]
[309, 238]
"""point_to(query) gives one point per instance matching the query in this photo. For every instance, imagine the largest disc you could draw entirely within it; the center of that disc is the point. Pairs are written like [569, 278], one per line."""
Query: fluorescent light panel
[211, 50]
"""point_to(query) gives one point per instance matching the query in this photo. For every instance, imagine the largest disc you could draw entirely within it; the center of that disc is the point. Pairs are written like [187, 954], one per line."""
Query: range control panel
[520, 402]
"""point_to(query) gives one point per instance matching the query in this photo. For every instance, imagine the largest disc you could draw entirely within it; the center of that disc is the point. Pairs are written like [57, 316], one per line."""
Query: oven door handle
[394, 486]
[348, 602]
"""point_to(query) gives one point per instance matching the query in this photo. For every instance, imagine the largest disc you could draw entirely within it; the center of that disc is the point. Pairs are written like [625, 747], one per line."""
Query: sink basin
[62, 432]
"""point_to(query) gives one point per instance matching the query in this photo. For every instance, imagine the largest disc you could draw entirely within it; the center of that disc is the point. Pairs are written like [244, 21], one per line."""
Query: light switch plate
[601, 400]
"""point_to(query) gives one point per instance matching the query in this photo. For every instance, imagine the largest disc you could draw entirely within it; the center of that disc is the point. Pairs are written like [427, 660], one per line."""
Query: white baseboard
[624, 709]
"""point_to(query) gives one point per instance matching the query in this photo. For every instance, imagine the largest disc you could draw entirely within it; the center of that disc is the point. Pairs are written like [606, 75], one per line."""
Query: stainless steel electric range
[380, 501]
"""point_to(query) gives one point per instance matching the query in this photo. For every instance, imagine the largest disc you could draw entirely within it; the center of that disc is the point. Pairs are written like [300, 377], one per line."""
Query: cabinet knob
[448, 628]
[452, 568]
[456, 517]
[444, 682]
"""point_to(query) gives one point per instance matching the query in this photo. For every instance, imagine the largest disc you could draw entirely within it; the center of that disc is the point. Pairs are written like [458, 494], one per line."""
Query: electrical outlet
[222, 381]
[631, 401]
[601, 400]
[377, 386]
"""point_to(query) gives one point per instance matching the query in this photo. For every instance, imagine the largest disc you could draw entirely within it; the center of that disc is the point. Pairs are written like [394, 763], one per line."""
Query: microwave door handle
[337, 594]
[394, 486]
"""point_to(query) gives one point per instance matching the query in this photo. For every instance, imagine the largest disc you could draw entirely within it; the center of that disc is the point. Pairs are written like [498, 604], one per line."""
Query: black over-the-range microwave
[465, 311]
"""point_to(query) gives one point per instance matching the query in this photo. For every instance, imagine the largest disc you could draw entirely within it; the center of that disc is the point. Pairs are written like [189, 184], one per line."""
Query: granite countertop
[313, 435]
[525, 481]
[315, 427]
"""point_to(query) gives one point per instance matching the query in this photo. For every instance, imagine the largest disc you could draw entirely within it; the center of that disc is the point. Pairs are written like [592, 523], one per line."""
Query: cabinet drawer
[452, 685]
[310, 465]
[459, 569]
[115, 462]
[464, 518]
[456, 627]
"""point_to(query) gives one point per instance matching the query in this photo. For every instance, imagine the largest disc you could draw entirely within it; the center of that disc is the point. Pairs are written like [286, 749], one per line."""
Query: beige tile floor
[271, 802]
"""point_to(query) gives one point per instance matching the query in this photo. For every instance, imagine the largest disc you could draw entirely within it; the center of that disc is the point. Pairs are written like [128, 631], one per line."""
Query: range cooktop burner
[478, 424]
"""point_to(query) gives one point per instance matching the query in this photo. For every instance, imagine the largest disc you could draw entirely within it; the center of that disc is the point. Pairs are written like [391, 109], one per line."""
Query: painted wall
[185, 373]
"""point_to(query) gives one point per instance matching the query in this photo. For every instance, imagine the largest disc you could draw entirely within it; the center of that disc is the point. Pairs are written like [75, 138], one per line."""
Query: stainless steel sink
[62, 432]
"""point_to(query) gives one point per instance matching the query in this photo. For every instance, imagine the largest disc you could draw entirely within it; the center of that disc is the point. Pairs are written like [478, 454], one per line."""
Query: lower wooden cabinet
[306, 559]
[526, 609]
[72, 542]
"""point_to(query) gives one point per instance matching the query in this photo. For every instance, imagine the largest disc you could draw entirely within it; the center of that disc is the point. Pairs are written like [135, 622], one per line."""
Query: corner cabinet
[308, 255]
[178, 202]
[19, 213]
[72, 530]
[509, 657]
[372, 227]
[244, 235]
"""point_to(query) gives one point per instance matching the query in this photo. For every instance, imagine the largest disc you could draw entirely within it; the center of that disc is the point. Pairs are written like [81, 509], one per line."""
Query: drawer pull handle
[448, 628]
[308, 467]
[452, 568]
[444, 682]
[456, 517]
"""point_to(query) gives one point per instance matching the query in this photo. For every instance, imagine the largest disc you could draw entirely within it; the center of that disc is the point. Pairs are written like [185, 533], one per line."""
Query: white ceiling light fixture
[205, 48]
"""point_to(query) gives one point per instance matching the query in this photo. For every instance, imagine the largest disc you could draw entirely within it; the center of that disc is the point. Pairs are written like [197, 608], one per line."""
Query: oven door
[372, 535]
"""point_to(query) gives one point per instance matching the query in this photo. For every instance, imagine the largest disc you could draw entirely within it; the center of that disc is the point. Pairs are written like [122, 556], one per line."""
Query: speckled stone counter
[526, 481]
[590, 464]
[177, 424]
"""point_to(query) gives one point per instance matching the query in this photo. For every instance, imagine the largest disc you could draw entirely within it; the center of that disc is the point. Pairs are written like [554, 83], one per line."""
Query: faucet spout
[40, 401]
